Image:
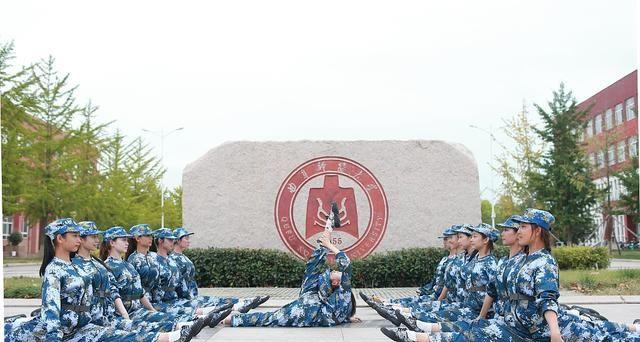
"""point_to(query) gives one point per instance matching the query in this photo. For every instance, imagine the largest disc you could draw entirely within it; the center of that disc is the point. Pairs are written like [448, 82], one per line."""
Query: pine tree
[563, 184]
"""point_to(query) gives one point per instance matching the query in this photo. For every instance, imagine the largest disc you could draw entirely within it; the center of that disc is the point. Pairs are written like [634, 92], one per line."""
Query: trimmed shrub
[406, 267]
[236, 267]
[581, 257]
[243, 267]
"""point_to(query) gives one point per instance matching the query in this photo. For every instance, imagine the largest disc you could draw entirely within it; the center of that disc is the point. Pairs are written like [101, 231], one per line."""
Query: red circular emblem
[304, 200]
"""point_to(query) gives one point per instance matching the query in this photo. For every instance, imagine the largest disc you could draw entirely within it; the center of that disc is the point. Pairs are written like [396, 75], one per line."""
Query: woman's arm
[146, 303]
[552, 319]
[486, 305]
[51, 306]
[443, 294]
[120, 307]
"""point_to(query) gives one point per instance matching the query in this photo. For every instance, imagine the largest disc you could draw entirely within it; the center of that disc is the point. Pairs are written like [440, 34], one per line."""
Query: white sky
[340, 70]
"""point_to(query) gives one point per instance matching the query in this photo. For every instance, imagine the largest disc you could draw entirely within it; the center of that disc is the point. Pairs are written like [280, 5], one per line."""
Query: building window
[592, 159]
[633, 147]
[611, 155]
[608, 119]
[25, 227]
[621, 151]
[619, 119]
[7, 225]
[600, 159]
[589, 129]
[598, 123]
[631, 108]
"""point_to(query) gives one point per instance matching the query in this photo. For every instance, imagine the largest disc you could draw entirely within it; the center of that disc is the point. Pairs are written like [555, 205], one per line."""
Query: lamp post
[162, 136]
[493, 204]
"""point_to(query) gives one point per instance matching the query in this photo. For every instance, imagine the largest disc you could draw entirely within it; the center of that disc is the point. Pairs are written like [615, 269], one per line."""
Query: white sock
[206, 310]
[174, 335]
[424, 326]
[183, 324]
[412, 335]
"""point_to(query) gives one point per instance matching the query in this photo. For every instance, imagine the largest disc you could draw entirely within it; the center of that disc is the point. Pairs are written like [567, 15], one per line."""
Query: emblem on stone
[304, 202]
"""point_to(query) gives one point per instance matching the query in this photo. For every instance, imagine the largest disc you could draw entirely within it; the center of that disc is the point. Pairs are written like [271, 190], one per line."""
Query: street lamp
[493, 204]
[162, 136]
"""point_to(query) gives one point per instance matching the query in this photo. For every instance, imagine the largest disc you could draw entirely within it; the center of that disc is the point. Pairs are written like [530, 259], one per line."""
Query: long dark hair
[133, 246]
[105, 249]
[353, 305]
[49, 253]
[546, 237]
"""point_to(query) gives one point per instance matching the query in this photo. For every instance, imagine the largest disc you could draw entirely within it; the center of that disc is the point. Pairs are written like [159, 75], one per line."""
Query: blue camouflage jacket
[316, 280]
[104, 290]
[532, 290]
[147, 267]
[187, 287]
[481, 272]
[498, 288]
[127, 281]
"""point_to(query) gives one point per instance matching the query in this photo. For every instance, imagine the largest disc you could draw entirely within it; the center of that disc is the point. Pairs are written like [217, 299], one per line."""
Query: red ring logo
[329, 172]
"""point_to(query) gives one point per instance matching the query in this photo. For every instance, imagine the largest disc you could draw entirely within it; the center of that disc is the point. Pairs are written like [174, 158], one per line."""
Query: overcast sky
[342, 70]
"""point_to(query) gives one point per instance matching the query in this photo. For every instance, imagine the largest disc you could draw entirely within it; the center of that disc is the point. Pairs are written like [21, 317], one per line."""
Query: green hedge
[581, 257]
[243, 267]
[235, 267]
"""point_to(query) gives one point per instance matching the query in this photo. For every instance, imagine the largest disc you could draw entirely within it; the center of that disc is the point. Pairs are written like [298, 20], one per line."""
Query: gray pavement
[21, 270]
[618, 264]
[617, 308]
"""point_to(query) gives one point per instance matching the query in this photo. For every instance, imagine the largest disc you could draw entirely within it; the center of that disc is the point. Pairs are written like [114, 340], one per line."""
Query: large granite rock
[392, 194]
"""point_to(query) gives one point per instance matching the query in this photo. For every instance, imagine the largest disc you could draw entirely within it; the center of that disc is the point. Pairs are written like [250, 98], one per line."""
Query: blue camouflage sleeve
[343, 263]
[546, 288]
[316, 263]
[50, 313]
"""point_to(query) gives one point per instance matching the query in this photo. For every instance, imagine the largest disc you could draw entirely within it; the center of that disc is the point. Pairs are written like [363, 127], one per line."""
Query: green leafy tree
[629, 202]
[48, 194]
[562, 183]
[517, 164]
[16, 101]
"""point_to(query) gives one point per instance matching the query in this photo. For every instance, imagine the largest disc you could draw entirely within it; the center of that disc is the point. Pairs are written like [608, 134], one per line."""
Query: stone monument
[390, 194]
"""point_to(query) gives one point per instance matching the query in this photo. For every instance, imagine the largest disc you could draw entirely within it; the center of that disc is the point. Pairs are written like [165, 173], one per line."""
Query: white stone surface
[230, 192]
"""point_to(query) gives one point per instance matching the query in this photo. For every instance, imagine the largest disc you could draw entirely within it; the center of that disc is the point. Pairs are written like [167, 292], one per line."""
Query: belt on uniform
[477, 288]
[103, 293]
[129, 298]
[518, 296]
[76, 308]
[168, 288]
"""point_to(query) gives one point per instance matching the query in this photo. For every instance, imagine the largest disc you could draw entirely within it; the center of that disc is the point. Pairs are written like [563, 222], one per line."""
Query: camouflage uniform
[318, 304]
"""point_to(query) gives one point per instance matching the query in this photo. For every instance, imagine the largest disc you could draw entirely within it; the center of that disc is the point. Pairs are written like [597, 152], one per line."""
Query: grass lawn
[626, 254]
[22, 287]
[601, 282]
[20, 260]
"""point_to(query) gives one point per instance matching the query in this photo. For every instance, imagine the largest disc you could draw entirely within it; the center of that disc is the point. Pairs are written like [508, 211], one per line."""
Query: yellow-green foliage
[581, 257]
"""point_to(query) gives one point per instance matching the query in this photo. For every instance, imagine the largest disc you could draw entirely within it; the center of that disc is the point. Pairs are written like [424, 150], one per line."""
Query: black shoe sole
[393, 319]
[220, 316]
[403, 320]
[223, 307]
[196, 327]
[390, 334]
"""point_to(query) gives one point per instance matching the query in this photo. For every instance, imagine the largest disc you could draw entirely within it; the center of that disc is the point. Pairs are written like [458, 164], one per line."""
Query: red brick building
[611, 140]
[30, 244]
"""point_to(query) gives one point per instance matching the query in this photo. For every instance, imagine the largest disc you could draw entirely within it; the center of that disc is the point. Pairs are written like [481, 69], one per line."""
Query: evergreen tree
[563, 184]
[48, 194]
[629, 202]
[16, 101]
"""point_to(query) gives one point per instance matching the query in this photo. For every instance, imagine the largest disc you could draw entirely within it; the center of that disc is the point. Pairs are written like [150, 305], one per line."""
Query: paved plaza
[616, 308]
